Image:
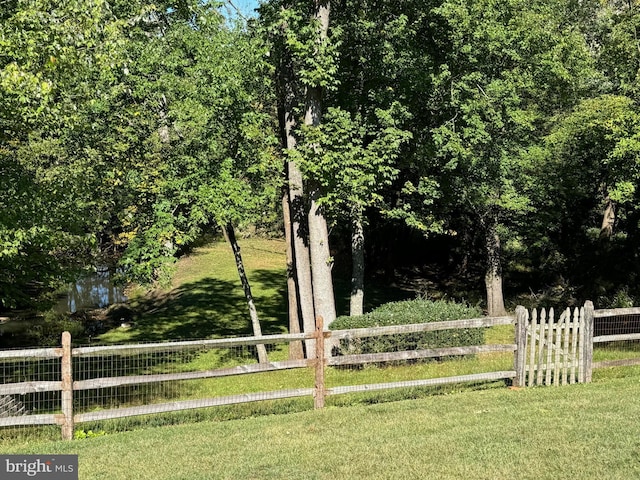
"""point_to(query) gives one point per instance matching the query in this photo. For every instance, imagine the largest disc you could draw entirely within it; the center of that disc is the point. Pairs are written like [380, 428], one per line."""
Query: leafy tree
[596, 148]
[347, 158]
[501, 70]
[353, 162]
[616, 46]
[147, 128]
[355, 154]
[592, 213]
[51, 55]
[303, 50]
[211, 162]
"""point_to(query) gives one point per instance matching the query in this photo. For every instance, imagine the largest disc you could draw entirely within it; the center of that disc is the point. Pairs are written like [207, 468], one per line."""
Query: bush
[405, 313]
[49, 332]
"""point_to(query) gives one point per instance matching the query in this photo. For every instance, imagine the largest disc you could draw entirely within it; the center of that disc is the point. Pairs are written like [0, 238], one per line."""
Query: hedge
[408, 312]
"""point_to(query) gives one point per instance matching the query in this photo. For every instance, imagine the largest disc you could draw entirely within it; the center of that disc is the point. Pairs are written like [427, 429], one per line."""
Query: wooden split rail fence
[547, 350]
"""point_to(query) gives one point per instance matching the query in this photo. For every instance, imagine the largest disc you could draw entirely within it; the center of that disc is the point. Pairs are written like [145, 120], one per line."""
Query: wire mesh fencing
[165, 382]
[106, 383]
[159, 378]
[36, 374]
[616, 338]
[407, 361]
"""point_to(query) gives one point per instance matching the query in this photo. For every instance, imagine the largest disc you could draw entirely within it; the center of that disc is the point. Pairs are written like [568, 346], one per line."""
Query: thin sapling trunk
[253, 313]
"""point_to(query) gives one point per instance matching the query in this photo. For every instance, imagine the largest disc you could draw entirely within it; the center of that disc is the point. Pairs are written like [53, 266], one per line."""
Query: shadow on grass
[214, 308]
[206, 308]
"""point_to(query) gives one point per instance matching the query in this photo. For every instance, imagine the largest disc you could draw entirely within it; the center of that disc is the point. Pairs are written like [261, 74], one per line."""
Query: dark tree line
[504, 133]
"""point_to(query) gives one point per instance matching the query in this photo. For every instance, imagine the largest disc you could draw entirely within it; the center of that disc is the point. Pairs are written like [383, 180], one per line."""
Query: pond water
[93, 291]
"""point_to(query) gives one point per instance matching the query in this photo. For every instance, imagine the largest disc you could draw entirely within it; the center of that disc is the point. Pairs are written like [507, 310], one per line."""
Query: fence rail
[609, 325]
[544, 352]
[70, 387]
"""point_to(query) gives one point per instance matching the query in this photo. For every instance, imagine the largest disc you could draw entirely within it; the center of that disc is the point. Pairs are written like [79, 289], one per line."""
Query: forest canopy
[503, 137]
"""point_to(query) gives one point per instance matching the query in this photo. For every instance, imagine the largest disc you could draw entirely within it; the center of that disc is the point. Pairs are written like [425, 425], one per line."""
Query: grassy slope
[579, 431]
[206, 298]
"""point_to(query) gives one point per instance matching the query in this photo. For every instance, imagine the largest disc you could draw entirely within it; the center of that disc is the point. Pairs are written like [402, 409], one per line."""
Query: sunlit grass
[206, 299]
[572, 432]
[216, 259]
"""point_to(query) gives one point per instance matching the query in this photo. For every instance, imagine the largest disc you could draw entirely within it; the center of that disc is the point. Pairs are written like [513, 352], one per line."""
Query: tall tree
[52, 56]
[352, 162]
[354, 154]
[143, 126]
[303, 54]
[321, 260]
[204, 80]
[493, 83]
[282, 23]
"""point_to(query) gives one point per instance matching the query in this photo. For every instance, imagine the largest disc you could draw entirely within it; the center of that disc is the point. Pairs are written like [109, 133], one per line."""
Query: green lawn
[457, 431]
[579, 431]
[206, 299]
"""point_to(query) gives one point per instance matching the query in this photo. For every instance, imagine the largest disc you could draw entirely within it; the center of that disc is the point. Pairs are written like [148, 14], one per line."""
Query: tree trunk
[321, 262]
[608, 219]
[356, 306]
[163, 130]
[302, 256]
[493, 276]
[253, 313]
[296, 210]
[295, 348]
[286, 99]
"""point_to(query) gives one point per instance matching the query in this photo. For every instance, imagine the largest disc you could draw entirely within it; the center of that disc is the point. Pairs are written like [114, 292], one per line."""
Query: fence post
[67, 388]
[520, 356]
[588, 340]
[319, 394]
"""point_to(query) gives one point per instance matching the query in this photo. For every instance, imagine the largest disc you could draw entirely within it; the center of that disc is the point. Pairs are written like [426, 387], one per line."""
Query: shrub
[405, 313]
[49, 332]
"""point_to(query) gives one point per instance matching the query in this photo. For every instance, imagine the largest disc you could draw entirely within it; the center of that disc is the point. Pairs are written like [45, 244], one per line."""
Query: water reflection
[92, 291]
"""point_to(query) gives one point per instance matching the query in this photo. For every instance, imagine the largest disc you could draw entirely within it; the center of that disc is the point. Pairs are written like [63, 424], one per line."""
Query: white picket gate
[555, 350]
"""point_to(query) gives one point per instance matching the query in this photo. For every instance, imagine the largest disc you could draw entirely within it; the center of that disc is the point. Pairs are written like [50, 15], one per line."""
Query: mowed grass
[455, 431]
[206, 299]
[571, 432]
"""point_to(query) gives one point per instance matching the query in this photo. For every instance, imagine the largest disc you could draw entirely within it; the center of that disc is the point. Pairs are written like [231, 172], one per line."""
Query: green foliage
[621, 299]
[204, 161]
[495, 81]
[351, 159]
[615, 30]
[410, 312]
[82, 434]
[292, 28]
[128, 129]
[595, 150]
[212, 161]
[597, 147]
[52, 56]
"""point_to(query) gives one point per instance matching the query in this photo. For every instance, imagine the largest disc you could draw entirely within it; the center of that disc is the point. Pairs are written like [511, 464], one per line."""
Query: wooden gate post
[67, 388]
[319, 394]
[522, 319]
[588, 340]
